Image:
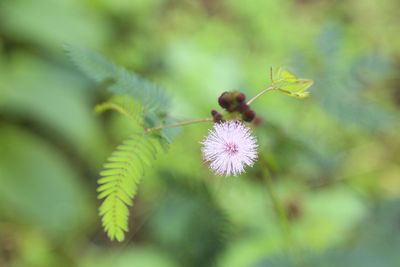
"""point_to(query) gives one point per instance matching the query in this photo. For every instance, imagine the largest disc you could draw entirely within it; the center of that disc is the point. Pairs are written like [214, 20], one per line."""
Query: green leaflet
[125, 105]
[285, 82]
[117, 185]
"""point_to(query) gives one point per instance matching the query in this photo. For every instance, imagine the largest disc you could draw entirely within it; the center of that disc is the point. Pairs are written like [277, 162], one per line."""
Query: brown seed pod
[249, 115]
[241, 98]
[242, 107]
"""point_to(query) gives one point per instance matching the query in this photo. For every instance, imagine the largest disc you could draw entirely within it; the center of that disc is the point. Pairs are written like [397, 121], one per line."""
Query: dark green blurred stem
[279, 209]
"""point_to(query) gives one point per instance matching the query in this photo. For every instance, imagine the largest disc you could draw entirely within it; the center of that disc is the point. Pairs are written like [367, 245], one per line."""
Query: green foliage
[345, 84]
[126, 165]
[181, 222]
[94, 65]
[152, 96]
[287, 83]
[367, 246]
[146, 105]
[345, 138]
[154, 100]
[32, 172]
[121, 174]
[125, 105]
[100, 69]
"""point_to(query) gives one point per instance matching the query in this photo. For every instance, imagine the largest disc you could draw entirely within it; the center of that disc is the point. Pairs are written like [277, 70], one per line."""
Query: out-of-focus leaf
[94, 65]
[152, 96]
[342, 85]
[60, 22]
[375, 242]
[39, 187]
[54, 99]
[188, 222]
[140, 256]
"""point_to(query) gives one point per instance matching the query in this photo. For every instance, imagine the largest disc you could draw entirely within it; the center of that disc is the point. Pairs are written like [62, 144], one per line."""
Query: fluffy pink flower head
[229, 147]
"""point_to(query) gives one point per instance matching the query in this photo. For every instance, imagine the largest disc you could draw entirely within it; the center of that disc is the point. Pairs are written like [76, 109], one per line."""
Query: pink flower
[229, 147]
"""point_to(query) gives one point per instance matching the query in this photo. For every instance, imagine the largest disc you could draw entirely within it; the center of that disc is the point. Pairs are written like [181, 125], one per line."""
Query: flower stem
[148, 130]
[260, 94]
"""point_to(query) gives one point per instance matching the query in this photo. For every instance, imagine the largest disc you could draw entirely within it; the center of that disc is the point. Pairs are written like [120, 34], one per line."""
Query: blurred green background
[333, 159]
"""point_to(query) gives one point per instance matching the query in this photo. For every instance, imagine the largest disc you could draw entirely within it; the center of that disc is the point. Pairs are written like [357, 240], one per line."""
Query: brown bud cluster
[235, 102]
[217, 116]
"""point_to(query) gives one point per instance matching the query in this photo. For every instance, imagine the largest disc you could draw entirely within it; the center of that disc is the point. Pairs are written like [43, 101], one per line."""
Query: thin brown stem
[270, 73]
[179, 124]
[260, 94]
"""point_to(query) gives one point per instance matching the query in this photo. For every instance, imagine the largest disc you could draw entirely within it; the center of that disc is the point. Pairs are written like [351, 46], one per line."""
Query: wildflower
[229, 147]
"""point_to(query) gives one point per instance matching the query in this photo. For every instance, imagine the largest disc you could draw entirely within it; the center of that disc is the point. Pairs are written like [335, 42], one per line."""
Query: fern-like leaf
[117, 186]
[125, 167]
[101, 69]
[92, 64]
[152, 96]
[125, 105]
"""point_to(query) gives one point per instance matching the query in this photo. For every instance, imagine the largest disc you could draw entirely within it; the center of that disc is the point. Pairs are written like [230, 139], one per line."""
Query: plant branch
[270, 73]
[179, 124]
[260, 94]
